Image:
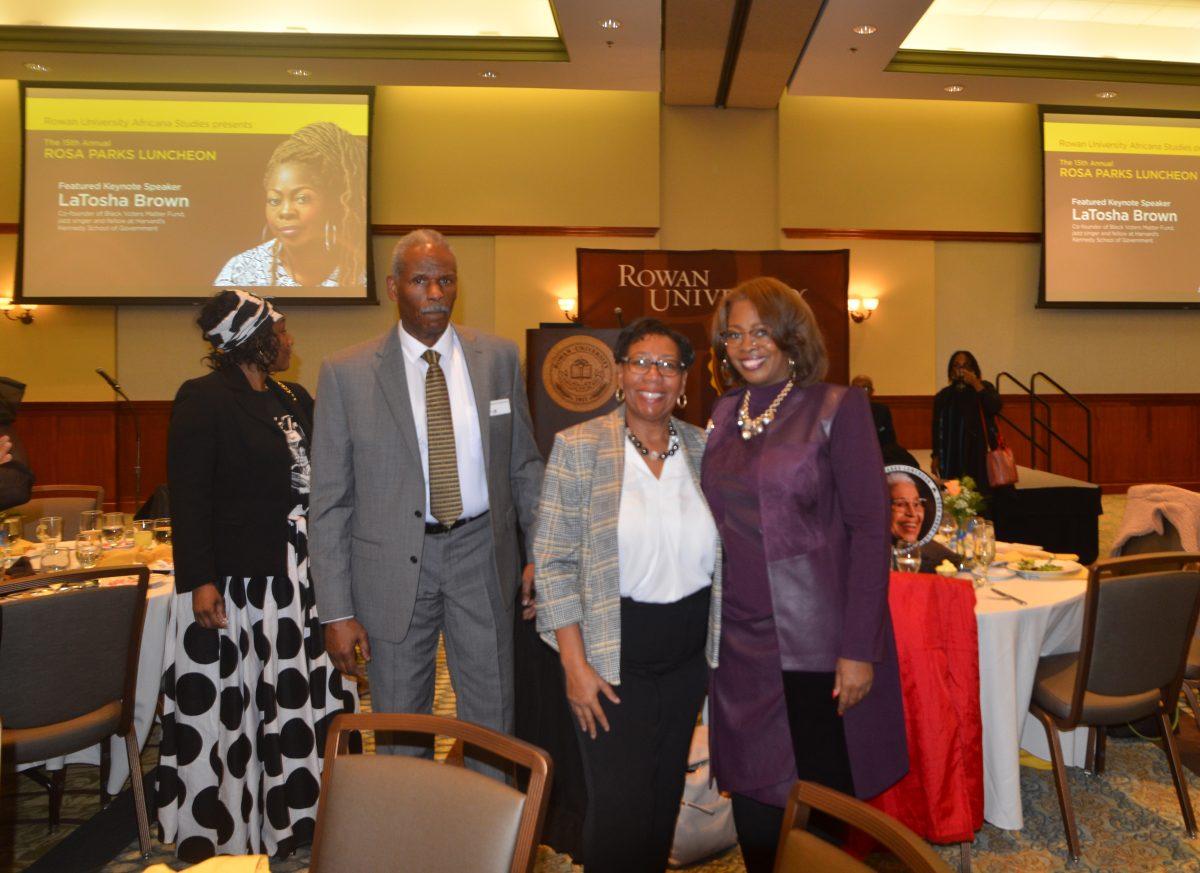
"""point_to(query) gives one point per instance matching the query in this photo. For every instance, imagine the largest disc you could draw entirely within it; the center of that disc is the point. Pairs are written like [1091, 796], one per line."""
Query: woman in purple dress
[807, 685]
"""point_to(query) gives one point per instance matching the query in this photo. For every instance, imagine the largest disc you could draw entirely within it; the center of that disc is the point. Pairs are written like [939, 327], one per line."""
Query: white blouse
[666, 537]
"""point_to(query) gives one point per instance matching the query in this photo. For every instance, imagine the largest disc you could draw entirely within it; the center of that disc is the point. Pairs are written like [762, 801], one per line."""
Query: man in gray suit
[423, 464]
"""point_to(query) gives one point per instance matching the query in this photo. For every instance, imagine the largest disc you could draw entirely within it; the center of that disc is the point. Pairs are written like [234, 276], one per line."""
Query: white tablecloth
[154, 632]
[1012, 638]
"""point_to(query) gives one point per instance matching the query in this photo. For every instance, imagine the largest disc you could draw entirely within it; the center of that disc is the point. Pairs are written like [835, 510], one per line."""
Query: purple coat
[823, 511]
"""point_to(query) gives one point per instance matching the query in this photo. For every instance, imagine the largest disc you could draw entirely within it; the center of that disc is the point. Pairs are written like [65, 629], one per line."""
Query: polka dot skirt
[245, 713]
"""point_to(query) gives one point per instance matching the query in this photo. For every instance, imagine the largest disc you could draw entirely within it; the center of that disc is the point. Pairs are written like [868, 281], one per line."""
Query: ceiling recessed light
[865, 29]
[488, 74]
[36, 67]
[299, 72]
[1106, 95]
[610, 23]
[953, 89]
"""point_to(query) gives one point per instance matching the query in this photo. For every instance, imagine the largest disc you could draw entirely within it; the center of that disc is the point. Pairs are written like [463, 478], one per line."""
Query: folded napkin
[223, 864]
[20, 546]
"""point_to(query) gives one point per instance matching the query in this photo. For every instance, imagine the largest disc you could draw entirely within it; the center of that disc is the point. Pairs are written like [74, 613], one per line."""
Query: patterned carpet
[1129, 818]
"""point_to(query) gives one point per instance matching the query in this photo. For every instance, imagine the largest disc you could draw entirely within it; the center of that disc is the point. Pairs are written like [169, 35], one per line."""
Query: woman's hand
[208, 605]
[852, 682]
[528, 595]
[584, 687]
[971, 379]
[5, 450]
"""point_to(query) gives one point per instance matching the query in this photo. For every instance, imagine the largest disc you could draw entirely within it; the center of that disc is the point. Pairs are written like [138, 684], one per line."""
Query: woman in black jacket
[964, 423]
[248, 688]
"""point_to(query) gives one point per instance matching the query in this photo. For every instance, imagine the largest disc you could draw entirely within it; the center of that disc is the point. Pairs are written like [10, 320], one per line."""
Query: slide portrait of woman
[315, 229]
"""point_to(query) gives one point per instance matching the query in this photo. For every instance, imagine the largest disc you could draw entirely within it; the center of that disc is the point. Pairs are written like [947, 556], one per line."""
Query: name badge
[501, 407]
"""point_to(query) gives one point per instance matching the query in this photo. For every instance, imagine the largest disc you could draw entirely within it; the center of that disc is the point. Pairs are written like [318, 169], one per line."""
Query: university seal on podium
[579, 373]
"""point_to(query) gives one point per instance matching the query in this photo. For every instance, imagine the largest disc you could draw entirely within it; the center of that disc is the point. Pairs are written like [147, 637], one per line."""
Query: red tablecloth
[941, 798]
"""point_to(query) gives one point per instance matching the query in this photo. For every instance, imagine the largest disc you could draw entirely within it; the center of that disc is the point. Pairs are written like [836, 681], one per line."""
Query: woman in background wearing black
[960, 437]
[248, 690]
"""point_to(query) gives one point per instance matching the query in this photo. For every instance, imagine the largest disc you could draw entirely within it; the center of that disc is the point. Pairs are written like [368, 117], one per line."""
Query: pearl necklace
[752, 427]
[662, 456]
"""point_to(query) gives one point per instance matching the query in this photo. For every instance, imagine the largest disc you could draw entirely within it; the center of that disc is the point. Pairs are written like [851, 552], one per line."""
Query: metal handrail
[1086, 456]
[1034, 421]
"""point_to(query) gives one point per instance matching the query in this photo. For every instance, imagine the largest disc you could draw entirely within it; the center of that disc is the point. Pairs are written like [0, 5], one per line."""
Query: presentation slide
[1122, 210]
[161, 196]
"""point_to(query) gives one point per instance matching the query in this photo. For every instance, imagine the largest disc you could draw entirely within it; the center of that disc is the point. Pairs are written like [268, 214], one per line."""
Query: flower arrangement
[961, 499]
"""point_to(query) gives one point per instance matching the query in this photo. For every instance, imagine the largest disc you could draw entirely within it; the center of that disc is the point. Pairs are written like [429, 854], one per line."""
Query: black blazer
[229, 469]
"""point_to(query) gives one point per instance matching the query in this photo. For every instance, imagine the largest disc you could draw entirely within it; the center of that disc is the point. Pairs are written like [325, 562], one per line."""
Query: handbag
[705, 823]
[1001, 466]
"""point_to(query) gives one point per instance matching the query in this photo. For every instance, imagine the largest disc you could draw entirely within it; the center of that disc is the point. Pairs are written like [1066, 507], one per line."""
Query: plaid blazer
[575, 549]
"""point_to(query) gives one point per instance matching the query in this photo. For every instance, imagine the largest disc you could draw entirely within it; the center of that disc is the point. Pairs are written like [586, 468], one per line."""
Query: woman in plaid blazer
[628, 569]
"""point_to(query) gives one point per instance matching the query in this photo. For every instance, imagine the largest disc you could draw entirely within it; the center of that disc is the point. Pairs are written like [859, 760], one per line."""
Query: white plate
[999, 572]
[1067, 568]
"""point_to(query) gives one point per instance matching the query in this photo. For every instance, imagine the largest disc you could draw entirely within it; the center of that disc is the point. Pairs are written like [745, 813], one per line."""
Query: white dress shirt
[666, 537]
[468, 444]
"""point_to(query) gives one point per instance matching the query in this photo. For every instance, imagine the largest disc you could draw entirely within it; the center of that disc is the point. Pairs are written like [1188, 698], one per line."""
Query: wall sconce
[8, 308]
[567, 305]
[860, 309]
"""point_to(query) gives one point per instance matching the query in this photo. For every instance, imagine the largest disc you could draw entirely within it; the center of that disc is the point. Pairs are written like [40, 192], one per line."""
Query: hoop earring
[681, 401]
[620, 395]
[330, 237]
[266, 232]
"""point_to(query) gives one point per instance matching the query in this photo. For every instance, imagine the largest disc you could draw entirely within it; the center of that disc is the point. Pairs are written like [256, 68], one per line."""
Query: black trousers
[819, 743]
[635, 772]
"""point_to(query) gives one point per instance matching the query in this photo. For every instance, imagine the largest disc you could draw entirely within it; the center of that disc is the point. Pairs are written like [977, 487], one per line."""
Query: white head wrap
[242, 321]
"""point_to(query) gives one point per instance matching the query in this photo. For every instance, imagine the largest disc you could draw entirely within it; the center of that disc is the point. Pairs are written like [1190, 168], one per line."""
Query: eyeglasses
[911, 505]
[666, 367]
[756, 336]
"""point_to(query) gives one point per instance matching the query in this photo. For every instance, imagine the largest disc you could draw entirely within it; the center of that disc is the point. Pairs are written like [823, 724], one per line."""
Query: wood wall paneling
[1136, 438]
[92, 444]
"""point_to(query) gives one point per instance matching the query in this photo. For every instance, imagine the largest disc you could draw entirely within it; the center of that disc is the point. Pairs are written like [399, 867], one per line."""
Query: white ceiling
[415, 17]
[842, 63]
[836, 62]
[1155, 30]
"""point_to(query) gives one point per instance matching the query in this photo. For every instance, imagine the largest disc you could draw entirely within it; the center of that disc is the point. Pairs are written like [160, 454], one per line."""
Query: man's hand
[852, 682]
[5, 450]
[340, 639]
[528, 595]
[208, 605]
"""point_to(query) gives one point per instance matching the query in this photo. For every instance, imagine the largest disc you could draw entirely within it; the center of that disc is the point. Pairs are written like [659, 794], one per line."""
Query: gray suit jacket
[366, 518]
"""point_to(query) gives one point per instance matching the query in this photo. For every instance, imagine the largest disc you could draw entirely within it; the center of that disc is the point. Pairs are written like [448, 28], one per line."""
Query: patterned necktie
[445, 498]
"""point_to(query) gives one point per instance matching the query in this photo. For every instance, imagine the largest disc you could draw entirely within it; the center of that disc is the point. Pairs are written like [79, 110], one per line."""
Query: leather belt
[432, 529]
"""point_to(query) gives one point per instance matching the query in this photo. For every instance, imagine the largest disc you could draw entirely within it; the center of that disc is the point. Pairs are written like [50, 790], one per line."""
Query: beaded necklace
[672, 436]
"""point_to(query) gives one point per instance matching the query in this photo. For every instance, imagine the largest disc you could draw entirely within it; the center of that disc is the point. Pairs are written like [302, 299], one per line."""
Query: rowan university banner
[683, 288]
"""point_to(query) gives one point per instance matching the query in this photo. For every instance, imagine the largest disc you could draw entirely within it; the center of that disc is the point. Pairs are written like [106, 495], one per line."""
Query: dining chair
[799, 850]
[395, 812]
[1170, 541]
[68, 671]
[1138, 621]
[65, 501]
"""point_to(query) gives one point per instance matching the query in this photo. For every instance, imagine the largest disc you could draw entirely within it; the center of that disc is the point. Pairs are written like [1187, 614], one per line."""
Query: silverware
[1007, 596]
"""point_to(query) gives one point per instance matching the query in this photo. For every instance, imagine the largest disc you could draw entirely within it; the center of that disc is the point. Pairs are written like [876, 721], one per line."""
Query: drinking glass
[49, 529]
[907, 558]
[90, 519]
[162, 531]
[88, 548]
[112, 528]
[143, 532]
[10, 527]
[55, 557]
[983, 539]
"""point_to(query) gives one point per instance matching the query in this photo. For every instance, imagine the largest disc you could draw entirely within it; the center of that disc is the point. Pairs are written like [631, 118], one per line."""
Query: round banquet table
[149, 676]
[1012, 638]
